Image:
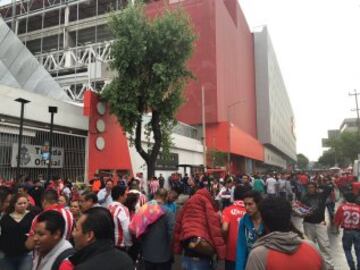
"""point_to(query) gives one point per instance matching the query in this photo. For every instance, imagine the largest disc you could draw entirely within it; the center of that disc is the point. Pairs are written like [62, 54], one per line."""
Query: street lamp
[229, 133]
[23, 102]
[52, 111]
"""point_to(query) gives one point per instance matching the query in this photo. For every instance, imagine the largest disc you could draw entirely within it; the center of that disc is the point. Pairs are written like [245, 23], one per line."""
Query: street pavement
[335, 244]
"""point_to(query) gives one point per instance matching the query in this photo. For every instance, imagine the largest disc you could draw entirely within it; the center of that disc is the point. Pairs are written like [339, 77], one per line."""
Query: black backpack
[61, 257]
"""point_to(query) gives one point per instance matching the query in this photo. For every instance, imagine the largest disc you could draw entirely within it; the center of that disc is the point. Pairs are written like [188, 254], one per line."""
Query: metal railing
[74, 154]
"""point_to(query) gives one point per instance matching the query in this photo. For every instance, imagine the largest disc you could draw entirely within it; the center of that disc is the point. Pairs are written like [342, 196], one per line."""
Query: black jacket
[101, 255]
[317, 203]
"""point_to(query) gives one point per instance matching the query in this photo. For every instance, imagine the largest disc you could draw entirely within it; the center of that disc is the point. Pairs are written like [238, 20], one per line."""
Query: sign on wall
[167, 162]
[32, 156]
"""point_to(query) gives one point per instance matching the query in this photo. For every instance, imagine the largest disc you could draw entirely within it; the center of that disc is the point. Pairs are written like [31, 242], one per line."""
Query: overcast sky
[317, 43]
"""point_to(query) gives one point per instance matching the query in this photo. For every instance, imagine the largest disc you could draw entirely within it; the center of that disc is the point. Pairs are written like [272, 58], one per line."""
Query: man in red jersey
[230, 225]
[281, 248]
[50, 202]
[348, 217]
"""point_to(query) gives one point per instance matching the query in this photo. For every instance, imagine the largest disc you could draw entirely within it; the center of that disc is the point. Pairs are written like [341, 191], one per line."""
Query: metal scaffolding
[70, 38]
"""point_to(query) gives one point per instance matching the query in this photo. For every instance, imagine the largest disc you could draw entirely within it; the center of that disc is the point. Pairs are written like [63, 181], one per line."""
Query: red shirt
[348, 216]
[232, 215]
[278, 260]
[355, 188]
[304, 180]
[69, 220]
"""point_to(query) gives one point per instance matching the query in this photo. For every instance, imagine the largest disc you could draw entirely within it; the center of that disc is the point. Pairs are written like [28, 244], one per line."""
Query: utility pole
[52, 111]
[356, 94]
[203, 128]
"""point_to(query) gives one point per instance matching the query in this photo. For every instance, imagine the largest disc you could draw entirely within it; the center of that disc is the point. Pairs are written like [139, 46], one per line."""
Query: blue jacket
[246, 238]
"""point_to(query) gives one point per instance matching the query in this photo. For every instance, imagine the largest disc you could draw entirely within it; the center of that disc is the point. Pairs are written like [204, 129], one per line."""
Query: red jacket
[199, 218]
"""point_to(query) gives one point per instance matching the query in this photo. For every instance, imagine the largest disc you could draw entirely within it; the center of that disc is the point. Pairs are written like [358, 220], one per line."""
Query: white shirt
[271, 184]
[103, 199]
[282, 185]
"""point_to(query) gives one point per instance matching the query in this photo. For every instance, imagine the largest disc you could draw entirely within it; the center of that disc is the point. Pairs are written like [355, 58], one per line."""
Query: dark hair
[134, 184]
[99, 221]
[13, 201]
[255, 195]
[109, 180]
[54, 221]
[131, 201]
[161, 193]
[90, 196]
[4, 192]
[67, 199]
[23, 186]
[311, 184]
[239, 192]
[276, 214]
[349, 197]
[51, 196]
[118, 191]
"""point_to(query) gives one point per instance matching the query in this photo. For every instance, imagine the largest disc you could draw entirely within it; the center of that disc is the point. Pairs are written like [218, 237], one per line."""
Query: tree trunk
[150, 168]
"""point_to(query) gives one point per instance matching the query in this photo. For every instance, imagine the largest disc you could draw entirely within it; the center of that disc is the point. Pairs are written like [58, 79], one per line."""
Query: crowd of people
[245, 221]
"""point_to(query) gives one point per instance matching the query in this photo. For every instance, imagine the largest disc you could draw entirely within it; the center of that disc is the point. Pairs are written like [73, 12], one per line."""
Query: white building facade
[275, 116]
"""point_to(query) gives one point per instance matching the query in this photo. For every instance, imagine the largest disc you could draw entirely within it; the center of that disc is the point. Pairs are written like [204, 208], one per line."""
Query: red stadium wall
[235, 68]
[223, 62]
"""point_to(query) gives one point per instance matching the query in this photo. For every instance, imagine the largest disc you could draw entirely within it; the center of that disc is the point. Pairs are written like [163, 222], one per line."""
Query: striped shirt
[121, 217]
[67, 215]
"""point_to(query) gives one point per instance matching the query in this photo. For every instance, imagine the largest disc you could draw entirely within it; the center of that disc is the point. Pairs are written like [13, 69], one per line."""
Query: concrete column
[68, 42]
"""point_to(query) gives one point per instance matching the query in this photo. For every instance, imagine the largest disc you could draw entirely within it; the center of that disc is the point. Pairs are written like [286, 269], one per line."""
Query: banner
[33, 156]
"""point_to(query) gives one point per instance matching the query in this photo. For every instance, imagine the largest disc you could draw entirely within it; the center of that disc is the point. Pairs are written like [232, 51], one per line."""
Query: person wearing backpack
[51, 249]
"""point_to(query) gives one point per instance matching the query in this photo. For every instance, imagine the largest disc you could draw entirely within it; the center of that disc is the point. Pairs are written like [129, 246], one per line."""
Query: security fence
[73, 145]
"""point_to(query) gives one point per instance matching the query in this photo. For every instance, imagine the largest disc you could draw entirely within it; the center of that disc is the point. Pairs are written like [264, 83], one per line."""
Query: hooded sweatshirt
[284, 249]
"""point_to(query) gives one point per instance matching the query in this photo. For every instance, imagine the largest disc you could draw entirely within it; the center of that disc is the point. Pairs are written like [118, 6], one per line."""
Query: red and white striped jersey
[67, 215]
[121, 217]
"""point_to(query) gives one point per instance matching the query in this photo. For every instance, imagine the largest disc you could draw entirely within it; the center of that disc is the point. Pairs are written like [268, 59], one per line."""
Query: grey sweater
[156, 243]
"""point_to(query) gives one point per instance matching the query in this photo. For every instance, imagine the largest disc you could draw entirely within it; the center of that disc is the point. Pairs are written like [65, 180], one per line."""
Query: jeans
[23, 262]
[194, 263]
[351, 237]
[229, 265]
[157, 266]
[317, 233]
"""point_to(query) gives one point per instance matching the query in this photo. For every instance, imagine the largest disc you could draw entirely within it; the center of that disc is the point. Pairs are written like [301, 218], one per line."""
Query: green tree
[149, 59]
[302, 161]
[344, 149]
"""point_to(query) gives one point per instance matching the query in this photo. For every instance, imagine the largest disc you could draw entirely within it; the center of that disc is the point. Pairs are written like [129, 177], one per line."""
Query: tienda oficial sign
[32, 156]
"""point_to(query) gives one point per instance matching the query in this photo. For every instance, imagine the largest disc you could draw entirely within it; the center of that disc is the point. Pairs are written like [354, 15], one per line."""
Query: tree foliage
[344, 149]
[217, 158]
[302, 161]
[149, 59]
